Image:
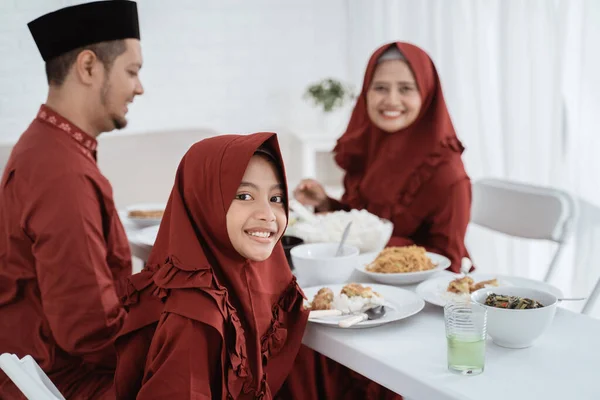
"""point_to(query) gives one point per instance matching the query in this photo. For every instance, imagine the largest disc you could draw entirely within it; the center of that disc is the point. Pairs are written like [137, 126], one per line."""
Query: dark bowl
[288, 243]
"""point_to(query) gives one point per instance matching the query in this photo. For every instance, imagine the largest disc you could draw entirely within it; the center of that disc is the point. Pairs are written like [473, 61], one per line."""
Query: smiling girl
[217, 313]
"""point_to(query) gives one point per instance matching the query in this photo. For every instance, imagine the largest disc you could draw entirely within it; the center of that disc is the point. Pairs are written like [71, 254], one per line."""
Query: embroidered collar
[87, 143]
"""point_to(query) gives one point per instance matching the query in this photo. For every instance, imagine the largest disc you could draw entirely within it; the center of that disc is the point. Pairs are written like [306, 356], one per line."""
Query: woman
[217, 313]
[401, 156]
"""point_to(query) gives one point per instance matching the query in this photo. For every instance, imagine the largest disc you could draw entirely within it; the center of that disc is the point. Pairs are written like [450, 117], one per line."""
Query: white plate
[407, 278]
[147, 235]
[399, 304]
[434, 290]
[144, 222]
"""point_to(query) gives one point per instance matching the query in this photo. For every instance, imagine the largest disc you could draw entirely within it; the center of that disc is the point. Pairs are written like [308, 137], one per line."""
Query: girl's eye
[380, 89]
[243, 196]
[277, 199]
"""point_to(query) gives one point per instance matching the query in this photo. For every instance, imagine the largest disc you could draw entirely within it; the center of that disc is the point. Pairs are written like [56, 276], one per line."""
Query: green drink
[465, 332]
[466, 355]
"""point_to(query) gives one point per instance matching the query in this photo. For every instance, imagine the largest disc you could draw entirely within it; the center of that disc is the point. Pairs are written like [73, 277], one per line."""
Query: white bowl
[316, 264]
[374, 239]
[517, 329]
[368, 238]
[405, 278]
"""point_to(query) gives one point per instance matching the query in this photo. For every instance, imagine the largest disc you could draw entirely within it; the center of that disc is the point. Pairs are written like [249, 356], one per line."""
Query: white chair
[591, 301]
[27, 375]
[525, 211]
[588, 232]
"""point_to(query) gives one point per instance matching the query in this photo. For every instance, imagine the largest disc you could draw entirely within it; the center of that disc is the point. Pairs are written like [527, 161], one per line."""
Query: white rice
[353, 304]
[367, 231]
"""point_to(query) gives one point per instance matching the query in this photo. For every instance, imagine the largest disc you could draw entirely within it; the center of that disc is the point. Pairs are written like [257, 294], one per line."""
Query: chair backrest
[141, 167]
[588, 237]
[27, 375]
[522, 210]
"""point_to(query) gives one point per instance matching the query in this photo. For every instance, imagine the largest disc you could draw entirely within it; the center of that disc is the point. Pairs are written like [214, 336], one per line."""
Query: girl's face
[257, 217]
[393, 99]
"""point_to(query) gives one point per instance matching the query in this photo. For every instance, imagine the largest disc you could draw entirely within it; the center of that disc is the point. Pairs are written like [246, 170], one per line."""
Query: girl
[216, 314]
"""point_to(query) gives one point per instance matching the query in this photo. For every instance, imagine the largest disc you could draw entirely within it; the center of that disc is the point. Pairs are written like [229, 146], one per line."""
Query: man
[63, 249]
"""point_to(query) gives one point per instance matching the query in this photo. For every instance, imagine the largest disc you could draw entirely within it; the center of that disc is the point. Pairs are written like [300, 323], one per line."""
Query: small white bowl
[517, 329]
[316, 264]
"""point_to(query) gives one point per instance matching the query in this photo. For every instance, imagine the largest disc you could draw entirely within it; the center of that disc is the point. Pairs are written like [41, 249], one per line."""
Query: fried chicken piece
[322, 300]
[356, 289]
[461, 285]
[482, 284]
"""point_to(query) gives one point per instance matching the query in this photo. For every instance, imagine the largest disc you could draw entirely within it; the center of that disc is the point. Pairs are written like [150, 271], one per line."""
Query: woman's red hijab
[384, 168]
[197, 273]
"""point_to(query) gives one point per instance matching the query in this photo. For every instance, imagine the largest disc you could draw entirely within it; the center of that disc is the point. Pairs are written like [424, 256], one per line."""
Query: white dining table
[138, 249]
[409, 356]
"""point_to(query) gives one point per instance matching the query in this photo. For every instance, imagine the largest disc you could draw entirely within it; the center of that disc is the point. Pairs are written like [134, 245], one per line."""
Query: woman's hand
[311, 193]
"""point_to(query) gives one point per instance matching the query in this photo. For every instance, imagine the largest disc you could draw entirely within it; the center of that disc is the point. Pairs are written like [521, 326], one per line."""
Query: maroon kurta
[414, 177]
[62, 250]
[204, 322]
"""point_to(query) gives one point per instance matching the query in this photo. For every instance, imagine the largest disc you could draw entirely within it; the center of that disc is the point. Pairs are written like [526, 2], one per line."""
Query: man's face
[120, 86]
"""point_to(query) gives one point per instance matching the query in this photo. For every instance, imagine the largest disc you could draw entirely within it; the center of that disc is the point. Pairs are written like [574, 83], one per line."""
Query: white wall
[231, 66]
[242, 66]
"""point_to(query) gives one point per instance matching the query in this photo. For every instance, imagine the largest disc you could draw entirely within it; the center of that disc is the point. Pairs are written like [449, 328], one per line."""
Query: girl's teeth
[391, 113]
[260, 234]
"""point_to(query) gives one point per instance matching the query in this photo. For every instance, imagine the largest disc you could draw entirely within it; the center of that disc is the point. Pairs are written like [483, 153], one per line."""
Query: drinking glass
[466, 333]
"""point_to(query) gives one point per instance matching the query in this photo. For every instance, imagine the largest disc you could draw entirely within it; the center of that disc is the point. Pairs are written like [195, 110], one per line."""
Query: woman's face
[257, 217]
[393, 99]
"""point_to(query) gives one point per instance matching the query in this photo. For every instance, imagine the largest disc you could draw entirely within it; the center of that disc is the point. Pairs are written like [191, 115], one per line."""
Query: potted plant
[333, 98]
[329, 94]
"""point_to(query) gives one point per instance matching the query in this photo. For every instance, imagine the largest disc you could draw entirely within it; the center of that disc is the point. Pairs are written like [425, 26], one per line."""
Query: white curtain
[580, 26]
[519, 81]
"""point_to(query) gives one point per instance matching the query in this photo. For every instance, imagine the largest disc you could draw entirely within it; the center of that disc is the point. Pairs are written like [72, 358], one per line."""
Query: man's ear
[86, 67]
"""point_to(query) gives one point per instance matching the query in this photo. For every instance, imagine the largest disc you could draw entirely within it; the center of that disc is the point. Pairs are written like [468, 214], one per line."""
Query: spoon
[344, 237]
[370, 314]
